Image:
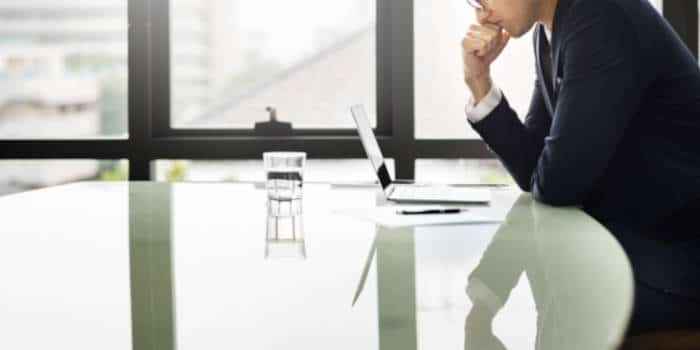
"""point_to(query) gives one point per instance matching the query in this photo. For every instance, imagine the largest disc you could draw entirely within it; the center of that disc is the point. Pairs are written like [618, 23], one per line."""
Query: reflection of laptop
[404, 192]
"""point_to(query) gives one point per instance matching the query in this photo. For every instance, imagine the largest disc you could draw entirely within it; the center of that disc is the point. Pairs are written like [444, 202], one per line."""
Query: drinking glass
[285, 175]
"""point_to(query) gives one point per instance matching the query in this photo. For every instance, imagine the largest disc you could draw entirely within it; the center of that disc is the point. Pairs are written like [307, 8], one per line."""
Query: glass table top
[210, 266]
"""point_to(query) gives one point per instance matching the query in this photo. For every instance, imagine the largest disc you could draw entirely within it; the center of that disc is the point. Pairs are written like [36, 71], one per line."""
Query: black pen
[431, 211]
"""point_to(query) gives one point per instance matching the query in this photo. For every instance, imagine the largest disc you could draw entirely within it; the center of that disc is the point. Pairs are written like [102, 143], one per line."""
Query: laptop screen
[369, 142]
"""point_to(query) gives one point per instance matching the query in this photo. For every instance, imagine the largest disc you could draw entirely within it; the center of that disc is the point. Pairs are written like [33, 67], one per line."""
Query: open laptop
[408, 193]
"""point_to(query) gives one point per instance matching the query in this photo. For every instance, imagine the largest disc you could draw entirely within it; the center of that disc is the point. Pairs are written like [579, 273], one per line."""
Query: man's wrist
[479, 88]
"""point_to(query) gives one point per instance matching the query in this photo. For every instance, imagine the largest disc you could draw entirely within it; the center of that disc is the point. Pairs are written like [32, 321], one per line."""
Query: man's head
[515, 16]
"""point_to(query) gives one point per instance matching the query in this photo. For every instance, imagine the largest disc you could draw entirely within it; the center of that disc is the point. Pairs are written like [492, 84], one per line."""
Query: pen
[430, 211]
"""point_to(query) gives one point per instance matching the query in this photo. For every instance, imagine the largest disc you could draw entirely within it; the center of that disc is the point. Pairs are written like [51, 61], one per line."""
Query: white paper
[387, 216]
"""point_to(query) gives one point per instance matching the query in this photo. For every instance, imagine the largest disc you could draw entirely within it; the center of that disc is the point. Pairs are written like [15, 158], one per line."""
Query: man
[613, 127]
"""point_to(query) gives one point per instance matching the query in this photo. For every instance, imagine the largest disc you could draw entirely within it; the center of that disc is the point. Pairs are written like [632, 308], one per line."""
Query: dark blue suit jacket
[617, 133]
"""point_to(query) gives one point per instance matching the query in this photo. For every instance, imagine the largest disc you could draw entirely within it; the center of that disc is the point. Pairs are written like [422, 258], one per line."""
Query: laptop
[408, 193]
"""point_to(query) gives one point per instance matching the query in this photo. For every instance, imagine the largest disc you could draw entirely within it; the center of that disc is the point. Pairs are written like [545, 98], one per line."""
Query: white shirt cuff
[479, 292]
[476, 113]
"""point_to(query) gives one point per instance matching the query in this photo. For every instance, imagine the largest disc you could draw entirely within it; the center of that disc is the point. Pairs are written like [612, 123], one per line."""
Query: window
[63, 69]
[310, 60]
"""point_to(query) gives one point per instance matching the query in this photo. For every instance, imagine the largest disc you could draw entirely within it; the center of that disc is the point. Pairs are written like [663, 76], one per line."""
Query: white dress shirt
[475, 113]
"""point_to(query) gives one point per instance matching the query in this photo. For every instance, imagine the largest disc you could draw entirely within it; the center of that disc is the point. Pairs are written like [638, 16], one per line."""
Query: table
[192, 266]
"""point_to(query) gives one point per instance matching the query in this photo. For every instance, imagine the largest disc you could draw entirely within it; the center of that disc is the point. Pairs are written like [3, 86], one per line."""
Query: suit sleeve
[600, 92]
[509, 254]
[499, 270]
[517, 144]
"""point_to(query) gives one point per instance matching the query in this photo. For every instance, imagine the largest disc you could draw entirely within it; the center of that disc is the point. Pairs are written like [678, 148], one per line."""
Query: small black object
[430, 211]
[273, 127]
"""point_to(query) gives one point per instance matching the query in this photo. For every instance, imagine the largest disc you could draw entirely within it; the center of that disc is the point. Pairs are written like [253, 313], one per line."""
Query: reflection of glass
[285, 174]
[311, 59]
[284, 237]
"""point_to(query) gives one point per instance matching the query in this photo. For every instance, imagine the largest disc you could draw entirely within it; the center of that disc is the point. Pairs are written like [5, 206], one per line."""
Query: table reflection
[581, 290]
[151, 266]
[574, 286]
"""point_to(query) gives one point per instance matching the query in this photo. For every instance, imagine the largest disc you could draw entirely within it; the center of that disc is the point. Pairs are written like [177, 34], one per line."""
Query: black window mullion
[384, 64]
[207, 148]
[397, 67]
[159, 67]
[683, 16]
[64, 149]
[140, 89]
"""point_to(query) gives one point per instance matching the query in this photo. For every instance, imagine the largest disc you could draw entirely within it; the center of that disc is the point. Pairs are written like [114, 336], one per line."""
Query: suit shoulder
[609, 16]
[613, 10]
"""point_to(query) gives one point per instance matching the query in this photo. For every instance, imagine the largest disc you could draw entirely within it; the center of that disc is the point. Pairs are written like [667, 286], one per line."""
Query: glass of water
[285, 174]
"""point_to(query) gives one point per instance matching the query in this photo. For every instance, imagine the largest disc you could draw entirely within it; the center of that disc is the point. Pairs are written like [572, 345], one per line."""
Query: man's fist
[480, 47]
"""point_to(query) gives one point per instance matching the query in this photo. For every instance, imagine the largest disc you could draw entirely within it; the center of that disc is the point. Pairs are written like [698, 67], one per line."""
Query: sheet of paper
[387, 216]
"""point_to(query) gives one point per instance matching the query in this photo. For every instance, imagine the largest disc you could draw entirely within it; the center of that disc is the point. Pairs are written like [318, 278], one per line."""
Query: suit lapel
[556, 72]
[560, 15]
[546, 90]
[551, 93]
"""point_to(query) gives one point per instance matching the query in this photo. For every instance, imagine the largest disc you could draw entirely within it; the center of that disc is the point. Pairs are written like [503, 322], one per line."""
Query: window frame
[151, 137]
[683, 16]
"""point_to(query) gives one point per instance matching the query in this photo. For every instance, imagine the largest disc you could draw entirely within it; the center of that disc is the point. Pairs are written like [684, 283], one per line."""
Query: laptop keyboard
[430, 193]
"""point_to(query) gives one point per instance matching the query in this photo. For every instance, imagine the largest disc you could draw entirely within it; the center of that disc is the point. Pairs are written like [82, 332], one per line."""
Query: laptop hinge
[391, 190]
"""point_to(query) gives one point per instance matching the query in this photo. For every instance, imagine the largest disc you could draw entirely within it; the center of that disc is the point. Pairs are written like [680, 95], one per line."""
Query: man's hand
[482, 44]
[478, 333]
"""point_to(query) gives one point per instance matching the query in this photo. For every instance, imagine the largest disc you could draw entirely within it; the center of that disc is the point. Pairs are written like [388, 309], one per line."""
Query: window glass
[63, 69]
[309, 59]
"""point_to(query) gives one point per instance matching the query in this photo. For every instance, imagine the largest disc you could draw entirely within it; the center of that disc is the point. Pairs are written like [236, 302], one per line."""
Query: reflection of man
[613, 127]
[577, 295]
